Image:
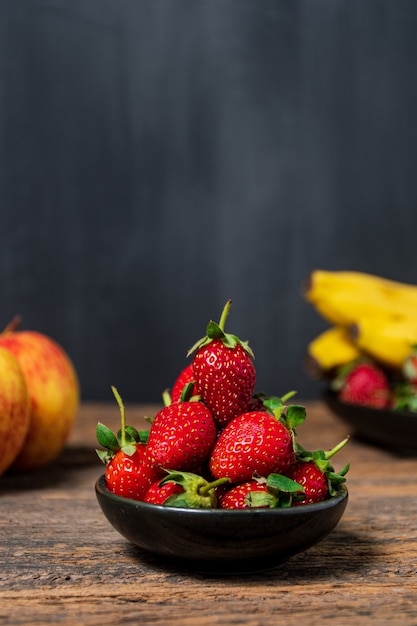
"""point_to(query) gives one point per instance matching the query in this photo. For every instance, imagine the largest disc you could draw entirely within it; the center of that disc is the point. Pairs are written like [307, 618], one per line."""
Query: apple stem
[122, 415]
[13, 325]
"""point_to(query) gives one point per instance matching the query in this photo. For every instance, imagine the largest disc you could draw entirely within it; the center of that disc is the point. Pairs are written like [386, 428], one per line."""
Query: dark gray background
[160, 156]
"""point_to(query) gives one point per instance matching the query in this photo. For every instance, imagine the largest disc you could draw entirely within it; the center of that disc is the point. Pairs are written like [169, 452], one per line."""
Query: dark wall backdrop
[158, 157]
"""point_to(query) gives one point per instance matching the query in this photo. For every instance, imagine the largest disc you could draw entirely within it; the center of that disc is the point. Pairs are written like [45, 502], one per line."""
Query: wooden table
[62, 563]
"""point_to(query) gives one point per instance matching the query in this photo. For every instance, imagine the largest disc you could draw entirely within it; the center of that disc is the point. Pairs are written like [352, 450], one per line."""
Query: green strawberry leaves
[335, 480]
[216, 331]
[281, 493]
[107, 438]
[198, 492]
[405, 397]
[321, 459]
[213, 331]
[291, 416]
[113, 443]
[126, 438]
[187, 394]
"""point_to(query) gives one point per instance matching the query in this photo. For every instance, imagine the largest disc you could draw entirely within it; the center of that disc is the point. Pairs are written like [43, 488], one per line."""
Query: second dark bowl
[386, 428]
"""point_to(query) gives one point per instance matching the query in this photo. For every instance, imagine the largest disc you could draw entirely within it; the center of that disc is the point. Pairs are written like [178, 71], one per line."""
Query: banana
[344, 308]
[388, 341]
[342, 298]
[322, 279]
[329, 350]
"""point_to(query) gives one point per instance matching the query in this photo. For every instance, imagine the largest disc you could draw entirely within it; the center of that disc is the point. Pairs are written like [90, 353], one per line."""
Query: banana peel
[330, 350]
[343, 298]
[388, 341]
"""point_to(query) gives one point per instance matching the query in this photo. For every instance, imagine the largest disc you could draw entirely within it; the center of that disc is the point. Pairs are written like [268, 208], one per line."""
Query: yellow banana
[344, 308]
[329, 350]
[342, 298]
[340, 280]
[388, 341]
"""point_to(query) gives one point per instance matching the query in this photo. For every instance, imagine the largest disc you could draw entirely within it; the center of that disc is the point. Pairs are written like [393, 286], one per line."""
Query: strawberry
[181, 436]
[189, 490]
[128, 473]
[312, 479]
[275, 491]
[185, 377]
[257, 442]
[314, 472]
[363, 383]
[158, 493]
[223, 371]
[238, 496]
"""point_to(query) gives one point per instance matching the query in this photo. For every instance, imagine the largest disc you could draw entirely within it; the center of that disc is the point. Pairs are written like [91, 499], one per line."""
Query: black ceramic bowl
[223, 541]
[393, 430]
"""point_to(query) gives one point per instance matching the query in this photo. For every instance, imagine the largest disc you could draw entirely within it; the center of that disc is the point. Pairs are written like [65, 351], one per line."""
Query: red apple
[53, 388]
[14, 409]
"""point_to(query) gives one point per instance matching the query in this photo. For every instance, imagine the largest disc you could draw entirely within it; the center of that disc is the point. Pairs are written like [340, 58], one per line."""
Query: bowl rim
[307, 509]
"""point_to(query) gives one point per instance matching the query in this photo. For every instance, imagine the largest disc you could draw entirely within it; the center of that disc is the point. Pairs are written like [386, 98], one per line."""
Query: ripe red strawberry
[185, 377]
[314, 472]
[128, 473]
[313, 481]
[237, 496]
[365, 384]
[181, 436]
[223, 370]
[256, 443]
[275, 491]
[158, 493]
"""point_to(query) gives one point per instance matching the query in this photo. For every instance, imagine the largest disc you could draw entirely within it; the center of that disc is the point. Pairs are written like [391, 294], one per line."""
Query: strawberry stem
[204, 489]
[332, 452]
[287, 396]
[123, 416]
[224, 314]
[216, 331]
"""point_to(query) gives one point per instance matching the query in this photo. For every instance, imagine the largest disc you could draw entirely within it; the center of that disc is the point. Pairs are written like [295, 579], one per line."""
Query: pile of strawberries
[217, 444]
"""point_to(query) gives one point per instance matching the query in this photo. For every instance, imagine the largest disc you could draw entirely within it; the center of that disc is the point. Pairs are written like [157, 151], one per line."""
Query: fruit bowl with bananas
[368, 354]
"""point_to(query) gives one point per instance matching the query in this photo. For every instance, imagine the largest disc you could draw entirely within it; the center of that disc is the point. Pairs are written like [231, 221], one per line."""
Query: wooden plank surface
[62, 563]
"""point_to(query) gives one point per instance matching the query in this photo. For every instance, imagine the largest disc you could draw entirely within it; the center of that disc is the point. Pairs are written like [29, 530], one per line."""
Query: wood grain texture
[62, 563]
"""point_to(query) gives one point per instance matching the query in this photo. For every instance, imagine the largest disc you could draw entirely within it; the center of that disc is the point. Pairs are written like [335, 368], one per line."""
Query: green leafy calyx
[292, 415]
[126, 438]
[322, 460]
[197, 493]
[281, 492]
[216, 331]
